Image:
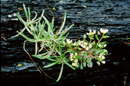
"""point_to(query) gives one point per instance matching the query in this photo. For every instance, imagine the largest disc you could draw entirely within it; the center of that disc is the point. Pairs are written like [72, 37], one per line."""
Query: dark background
[113, 15]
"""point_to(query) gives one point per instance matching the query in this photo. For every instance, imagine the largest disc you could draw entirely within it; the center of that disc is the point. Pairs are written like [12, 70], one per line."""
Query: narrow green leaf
[52, 23]
[63, 23]
[26, 13]
[60, 49]
[28, 29]
[48, 24]
[42, 57]
[51, 59]
[38, 56]
[42, 13]
[106, 36]
[127, 38]
[21, 33]
[18, 33]
[20, 19]
[50, 65]
[62, 35]
[79, 48]
[97, 37]
[64, 31]
[34, 16]
[29, 14]
[42, 46]
[58, 52]
[69, 65]
[61, 71]
[44, 54]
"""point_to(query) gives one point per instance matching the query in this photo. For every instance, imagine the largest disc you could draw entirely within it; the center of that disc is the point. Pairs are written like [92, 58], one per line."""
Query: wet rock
[7, 69]
[24, 65]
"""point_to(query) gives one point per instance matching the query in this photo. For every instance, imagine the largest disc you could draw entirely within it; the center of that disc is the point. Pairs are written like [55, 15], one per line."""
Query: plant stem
[90, 41]
[18, 33]
[30, 56]
[61, 71]
[101, 38]
[36, 48]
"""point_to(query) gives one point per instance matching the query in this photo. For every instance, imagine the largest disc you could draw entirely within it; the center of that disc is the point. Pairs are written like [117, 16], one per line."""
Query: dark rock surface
[113, 15]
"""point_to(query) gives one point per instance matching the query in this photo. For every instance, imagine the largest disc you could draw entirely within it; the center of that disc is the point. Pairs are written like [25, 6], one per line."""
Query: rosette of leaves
[51, 41]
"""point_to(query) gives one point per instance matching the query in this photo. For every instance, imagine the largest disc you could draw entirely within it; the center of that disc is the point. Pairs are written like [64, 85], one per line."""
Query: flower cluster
[82, 51]
[103, 30]
[74, 59]
[91, 33]
[100, 45]
[68, 41]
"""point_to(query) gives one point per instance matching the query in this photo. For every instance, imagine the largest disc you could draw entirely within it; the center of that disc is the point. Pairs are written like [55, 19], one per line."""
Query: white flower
[68, 41]
[90, 46]
[84, 6]
[85, 43]
[103, 62]
[74, 64]
[74, 44]
[100, 55]
[105, 45]
[9, 15]
[15, 14]
[98, 63]
[76, 54]
[103, 57]
[71, 54]
[82, 45]
[91, 33]
[98, 33]
[82, 53]
[94, 31]
[82, 41]
[104, 30]
[75, 60]
[99, 45]
[71, 59]
[105, 51]
[87, 48]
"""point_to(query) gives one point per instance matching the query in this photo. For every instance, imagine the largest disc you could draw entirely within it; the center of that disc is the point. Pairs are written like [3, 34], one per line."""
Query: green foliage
[76, 54]
[127, 38]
